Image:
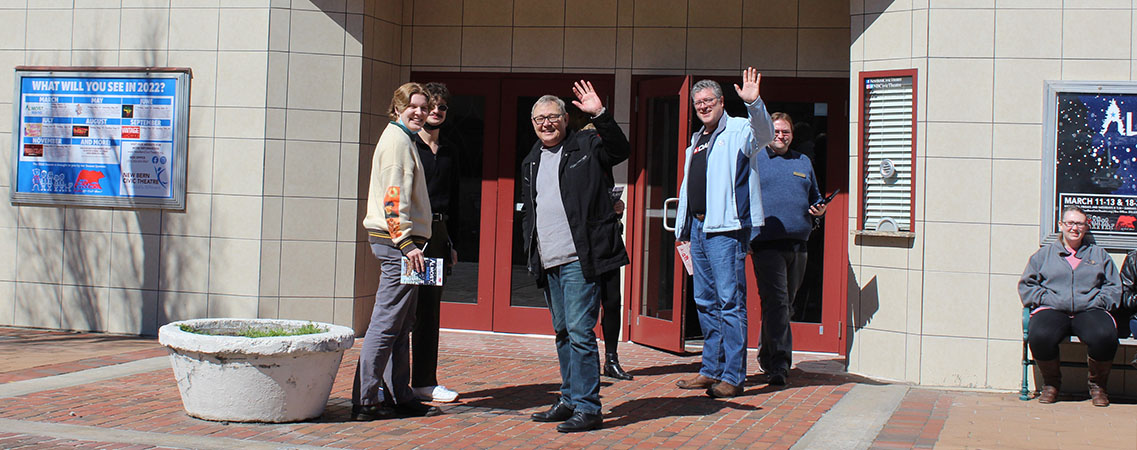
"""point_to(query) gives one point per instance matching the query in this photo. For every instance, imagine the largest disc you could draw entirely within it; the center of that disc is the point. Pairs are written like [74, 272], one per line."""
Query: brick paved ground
[502, 379]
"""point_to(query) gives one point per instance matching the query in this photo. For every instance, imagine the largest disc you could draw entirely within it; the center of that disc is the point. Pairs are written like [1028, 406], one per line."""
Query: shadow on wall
[863, 305]
[871, 13]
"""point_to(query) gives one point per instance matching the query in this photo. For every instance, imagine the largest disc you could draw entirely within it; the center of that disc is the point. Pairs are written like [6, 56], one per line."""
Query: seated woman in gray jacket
[1069, 285]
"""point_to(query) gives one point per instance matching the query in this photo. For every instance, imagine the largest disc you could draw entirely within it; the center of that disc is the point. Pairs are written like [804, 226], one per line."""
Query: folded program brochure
[431, 275]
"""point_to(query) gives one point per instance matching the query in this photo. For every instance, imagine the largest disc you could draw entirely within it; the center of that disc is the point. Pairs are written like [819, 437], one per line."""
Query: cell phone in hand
[826, 200]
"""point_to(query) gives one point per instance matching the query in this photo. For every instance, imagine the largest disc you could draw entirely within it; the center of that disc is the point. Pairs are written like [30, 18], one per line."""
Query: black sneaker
[777, 379]
[416, 409]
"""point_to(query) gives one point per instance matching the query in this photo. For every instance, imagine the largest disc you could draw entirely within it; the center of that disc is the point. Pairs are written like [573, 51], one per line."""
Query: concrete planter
[240, 379]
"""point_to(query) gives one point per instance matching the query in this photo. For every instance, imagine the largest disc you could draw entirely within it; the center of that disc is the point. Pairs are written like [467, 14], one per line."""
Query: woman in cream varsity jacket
[398, 224]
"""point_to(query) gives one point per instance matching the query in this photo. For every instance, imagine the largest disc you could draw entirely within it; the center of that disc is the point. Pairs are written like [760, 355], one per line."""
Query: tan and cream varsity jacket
[398, 205]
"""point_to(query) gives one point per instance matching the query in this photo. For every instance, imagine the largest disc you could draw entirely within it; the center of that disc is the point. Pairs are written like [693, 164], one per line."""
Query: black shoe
[612, 368]
[560, 412]
[372, 412]
[416, 409]
[776, 379]
[581, 422]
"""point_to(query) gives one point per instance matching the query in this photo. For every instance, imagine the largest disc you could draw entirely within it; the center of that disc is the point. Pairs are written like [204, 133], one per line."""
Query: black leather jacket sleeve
[1129, 283]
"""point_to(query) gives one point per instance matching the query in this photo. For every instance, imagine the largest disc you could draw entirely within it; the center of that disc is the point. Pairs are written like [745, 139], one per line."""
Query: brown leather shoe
[1049, 394]
[723, 389]
[698, 382]
[1098, 379]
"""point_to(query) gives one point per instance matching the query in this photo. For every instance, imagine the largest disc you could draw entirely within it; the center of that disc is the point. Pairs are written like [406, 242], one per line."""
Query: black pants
[1049, 327]
[610, 306]
[779, 267]
[424, 338]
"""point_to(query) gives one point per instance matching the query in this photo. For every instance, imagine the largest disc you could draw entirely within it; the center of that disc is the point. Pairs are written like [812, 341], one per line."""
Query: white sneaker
[435, 394]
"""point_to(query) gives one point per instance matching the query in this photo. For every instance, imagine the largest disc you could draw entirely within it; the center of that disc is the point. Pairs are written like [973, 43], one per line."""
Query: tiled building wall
[943, 309]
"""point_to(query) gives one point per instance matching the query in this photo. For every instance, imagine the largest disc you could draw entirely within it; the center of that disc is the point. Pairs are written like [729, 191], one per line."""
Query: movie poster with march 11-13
[101, 138]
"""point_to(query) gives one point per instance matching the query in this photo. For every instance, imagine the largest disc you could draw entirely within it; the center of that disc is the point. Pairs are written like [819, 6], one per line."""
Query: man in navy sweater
[789, 197]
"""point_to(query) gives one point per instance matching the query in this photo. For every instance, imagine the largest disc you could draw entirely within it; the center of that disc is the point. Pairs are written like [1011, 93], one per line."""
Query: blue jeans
[719, 263]
[575, 305]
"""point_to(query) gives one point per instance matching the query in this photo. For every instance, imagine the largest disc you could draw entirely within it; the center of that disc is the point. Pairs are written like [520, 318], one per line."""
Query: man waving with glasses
[720, 210]
[572, 238]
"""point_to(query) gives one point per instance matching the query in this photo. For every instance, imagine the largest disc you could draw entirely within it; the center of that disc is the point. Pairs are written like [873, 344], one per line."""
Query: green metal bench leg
[1024, 392]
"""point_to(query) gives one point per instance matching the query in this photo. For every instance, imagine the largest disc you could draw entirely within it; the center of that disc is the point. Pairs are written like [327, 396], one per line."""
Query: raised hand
[587, 100]
[750, 80]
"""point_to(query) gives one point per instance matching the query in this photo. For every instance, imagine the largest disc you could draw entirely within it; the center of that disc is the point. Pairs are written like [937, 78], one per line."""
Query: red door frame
[775, 89]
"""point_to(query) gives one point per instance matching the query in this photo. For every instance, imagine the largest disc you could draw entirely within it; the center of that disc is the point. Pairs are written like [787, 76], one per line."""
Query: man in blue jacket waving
[720, 208]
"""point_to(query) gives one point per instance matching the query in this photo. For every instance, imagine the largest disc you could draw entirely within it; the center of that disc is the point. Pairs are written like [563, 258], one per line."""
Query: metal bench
[1025, 392]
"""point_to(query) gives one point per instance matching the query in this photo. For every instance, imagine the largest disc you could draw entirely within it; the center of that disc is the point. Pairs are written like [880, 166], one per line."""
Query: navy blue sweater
[788, 190]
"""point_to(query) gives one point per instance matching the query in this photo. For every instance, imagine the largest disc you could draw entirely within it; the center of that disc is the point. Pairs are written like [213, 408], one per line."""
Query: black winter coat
[1128, 307]
[585, 175]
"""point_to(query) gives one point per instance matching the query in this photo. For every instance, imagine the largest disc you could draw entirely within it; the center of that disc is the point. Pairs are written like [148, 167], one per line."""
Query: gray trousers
[779, 267]
[385, 355]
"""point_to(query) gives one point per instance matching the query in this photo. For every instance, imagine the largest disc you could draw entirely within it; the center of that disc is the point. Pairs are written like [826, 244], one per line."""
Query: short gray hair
[707, 84]
[548, 98]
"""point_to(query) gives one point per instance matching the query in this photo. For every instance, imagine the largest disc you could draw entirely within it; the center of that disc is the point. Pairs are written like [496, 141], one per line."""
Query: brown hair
[782, 116]
[402, 98]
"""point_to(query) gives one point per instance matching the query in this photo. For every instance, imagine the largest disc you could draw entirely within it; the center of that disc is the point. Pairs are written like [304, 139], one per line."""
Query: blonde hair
[402, 98]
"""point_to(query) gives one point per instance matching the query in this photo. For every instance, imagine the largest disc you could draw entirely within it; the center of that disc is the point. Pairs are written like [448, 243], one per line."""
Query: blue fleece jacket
[789, 188]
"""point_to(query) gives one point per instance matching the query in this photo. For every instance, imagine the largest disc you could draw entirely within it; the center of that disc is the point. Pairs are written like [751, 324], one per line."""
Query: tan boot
[1098, 380]
[1051, 380]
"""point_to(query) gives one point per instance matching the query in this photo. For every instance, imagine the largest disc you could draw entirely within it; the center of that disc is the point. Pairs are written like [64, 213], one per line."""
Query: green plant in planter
[309, 328]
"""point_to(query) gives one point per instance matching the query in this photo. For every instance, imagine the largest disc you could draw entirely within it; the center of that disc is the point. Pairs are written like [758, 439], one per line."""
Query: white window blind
[887, 138]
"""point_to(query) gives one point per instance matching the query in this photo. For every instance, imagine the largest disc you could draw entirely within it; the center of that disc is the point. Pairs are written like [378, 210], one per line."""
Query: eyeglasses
[1072, 224]
[541, 120]
[783, 132]
[706, 102]
[442, 107]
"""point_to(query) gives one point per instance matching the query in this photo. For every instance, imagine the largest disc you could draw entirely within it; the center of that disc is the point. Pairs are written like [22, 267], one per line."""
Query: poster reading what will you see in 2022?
[116, 139]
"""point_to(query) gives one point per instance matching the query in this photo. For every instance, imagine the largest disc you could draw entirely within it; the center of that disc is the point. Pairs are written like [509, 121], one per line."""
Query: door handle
[670, 214]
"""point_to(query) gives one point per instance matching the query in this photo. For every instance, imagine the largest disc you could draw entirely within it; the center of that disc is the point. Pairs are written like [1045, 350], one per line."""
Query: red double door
[489, 124]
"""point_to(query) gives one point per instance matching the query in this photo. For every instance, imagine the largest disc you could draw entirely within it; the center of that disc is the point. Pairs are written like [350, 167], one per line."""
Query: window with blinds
[887, 151]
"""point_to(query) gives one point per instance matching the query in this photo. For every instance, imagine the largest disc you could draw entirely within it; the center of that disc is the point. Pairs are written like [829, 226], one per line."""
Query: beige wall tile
[1029, 4]
[154, 57]
[8, 258]
[1011, 246]
[41, 217]
[308, 169]
[270, 271]
[660, 13]
[309, 219]
[317, 309]
[539, 13]
[87, 219]
[132, 311]
[349, 171]
[315, 81]
[915, 312]
[234, 266]
[951, 361]
[150, 29]
[959, 89]
[279, 24]
[961, 33]
[184, 264]
[713, 48]
[59, 39]
[823, 49]
[13, 34]
[823, 13]
[881, 353]
[1004, 364]
[272, 213]
[240, 122]
[1015, 197]
[770, 13]
[274, 167]
[590, 47]
[190, 29]
[236, 216]
[1019, 83]
[37, 305]
[316, 32]
[354, 39]
[1006, 307]
[92, 29]
[83, 308]
[174, 306]
[233, 306]
[883, 299]
[388, 42]
[268, 307]
[248, 29]
[624, 41]
[194, 221]
[657, 48]
[241, 79]
[538, 47]
[877, 253]
[489, 12]
[352, 83]
[307, 269]
[1027, 33]
[770, 48]
[1092, 34]
[1019, 141]
[204, 83]
[86, 258]
[958, 247]
[276, 83]
[136, 221]
[913, 344]
[437, 12]
[487, 46]
[435, 46]
[344, 311]
[956, 304]
[880, 40]
[857, 43]
[591, 13]
[345, 269]
[199, 165]
[715, 14]
[47, 57]
[39, 256]
[239, 166]
[958, 189]
[957, 140]
[350, 220]
[1096, 70]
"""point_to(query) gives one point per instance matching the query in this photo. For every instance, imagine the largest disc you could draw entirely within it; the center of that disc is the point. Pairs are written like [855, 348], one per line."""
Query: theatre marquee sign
[1090, 159]
[100, 137]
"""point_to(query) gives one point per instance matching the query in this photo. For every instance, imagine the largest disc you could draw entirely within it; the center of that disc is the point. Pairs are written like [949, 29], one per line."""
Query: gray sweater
[1048, 279]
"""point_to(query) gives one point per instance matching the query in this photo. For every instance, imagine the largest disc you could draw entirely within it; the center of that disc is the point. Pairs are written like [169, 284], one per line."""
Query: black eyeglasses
[541, 120]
